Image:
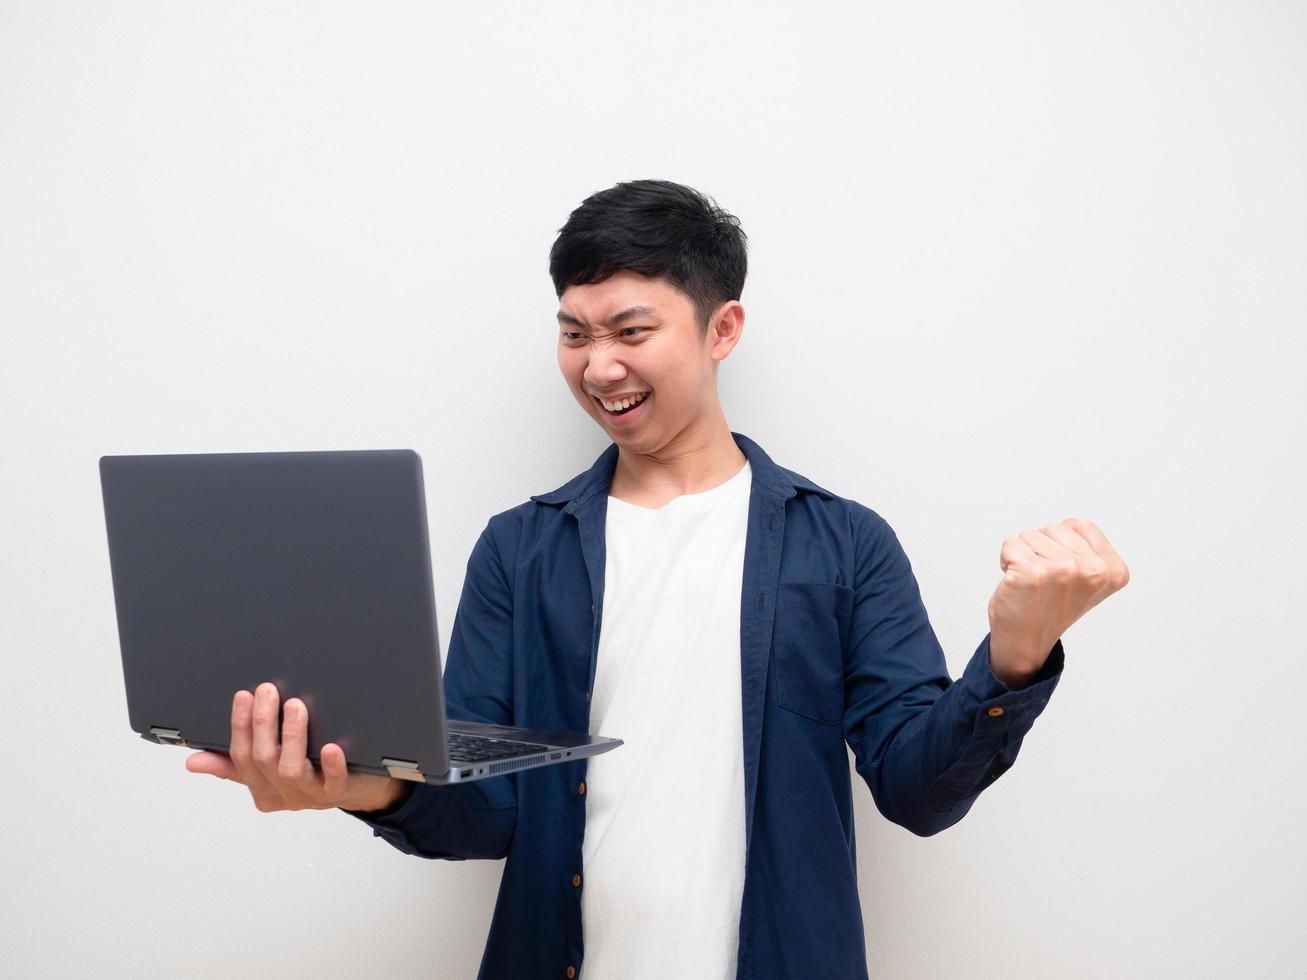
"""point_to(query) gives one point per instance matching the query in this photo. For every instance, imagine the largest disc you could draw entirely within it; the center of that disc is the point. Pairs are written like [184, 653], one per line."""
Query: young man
[733, 622]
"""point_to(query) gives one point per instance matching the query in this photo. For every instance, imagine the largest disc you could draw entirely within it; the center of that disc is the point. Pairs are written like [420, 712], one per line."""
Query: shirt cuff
[998, 706]
[390, 823]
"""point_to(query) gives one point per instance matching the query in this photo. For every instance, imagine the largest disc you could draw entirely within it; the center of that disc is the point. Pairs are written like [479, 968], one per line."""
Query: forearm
[401, 790]
[472, 820]
[1012, 671]
[937, 762]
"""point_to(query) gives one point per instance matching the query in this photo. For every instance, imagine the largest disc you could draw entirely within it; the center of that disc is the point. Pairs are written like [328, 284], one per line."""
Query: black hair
[655, 228]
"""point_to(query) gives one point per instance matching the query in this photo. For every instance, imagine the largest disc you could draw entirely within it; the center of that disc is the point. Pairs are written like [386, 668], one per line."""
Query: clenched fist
[1050, 579]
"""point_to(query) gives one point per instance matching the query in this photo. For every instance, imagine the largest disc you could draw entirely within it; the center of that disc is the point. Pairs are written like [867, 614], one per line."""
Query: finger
[212, 764]
[264, 743]
[294, 766]
[1015, 552]
[1044, 546]
[1067, 536]
[1094, 570]
[241, 751]
[1098, 541]
[335, 774]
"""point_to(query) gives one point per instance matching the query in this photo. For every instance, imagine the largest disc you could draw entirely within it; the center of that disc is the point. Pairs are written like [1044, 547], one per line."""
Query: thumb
[212, 764]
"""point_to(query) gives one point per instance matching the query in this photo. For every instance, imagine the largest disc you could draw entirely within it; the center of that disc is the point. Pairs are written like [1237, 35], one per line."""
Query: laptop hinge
[402, 769]
[167, 736]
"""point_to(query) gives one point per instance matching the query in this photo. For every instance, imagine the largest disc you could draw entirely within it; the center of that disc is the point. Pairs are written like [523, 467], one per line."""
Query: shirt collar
[599, 476]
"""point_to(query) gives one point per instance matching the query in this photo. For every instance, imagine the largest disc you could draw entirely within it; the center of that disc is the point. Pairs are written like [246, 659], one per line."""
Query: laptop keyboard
[479, 748]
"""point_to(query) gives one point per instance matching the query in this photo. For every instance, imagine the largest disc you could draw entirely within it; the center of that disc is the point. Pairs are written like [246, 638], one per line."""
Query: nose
[604, 368]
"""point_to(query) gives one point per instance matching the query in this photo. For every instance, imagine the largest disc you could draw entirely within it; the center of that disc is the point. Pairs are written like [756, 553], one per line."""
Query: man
[735, 623]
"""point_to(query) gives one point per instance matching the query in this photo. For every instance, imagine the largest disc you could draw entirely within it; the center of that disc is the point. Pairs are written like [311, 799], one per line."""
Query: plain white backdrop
[1009, 263]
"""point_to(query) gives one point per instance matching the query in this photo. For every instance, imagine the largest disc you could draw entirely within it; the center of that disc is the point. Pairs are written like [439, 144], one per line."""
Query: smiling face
[633, 341]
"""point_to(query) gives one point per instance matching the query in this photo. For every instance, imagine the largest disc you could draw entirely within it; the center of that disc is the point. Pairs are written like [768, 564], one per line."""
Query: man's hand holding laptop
[280, 776]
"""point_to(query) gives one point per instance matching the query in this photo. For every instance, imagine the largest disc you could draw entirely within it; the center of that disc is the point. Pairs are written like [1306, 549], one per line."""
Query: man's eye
[572, 336]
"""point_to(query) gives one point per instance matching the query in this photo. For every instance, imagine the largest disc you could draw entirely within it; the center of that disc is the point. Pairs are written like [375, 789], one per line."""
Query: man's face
[635, 337]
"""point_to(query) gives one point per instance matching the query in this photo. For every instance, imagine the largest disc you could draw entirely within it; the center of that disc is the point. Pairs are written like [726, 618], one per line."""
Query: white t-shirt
[663, 853]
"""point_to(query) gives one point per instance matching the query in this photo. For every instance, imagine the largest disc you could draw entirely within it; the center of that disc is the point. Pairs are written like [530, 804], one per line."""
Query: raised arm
[926, 745]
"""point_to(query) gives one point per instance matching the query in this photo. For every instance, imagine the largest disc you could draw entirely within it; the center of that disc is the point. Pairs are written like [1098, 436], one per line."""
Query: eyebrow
[630, 313]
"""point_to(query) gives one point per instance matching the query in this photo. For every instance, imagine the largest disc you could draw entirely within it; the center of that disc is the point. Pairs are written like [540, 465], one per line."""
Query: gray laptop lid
[308, 569]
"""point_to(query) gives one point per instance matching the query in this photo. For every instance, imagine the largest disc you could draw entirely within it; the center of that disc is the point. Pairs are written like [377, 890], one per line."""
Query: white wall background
[1010, 263]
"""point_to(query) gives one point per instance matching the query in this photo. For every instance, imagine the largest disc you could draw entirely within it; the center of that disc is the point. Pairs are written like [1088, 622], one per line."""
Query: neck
[700, 458]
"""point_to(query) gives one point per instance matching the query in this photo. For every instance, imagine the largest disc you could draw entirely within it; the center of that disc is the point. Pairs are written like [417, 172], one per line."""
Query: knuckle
[266, 757]
[1096, 572]
[289, 769]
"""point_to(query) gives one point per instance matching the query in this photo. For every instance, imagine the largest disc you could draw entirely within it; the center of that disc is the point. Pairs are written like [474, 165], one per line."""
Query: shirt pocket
[810, 634]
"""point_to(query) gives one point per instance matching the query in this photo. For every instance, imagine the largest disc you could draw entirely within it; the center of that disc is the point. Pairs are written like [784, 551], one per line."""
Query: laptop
[308, 569]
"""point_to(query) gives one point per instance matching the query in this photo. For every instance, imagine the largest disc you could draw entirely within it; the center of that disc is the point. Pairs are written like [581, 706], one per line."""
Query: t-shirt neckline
[702, 500]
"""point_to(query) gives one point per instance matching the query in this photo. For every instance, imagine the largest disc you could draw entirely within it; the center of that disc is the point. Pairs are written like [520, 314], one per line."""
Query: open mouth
[630, 406]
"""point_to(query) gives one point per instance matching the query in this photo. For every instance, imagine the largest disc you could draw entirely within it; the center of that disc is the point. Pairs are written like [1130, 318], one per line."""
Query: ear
[724, 330]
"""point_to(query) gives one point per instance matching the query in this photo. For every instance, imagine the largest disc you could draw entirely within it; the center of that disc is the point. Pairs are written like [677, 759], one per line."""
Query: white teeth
[625, 402]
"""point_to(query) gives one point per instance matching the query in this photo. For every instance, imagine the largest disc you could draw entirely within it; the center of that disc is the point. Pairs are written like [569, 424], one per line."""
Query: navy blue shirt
[835, 648]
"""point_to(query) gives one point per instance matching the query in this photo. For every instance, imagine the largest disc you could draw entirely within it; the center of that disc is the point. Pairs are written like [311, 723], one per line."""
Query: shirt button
[571, 972]
[587, 697]
[581, 789]
[995, 711]
[576, 881]
[592, 610]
